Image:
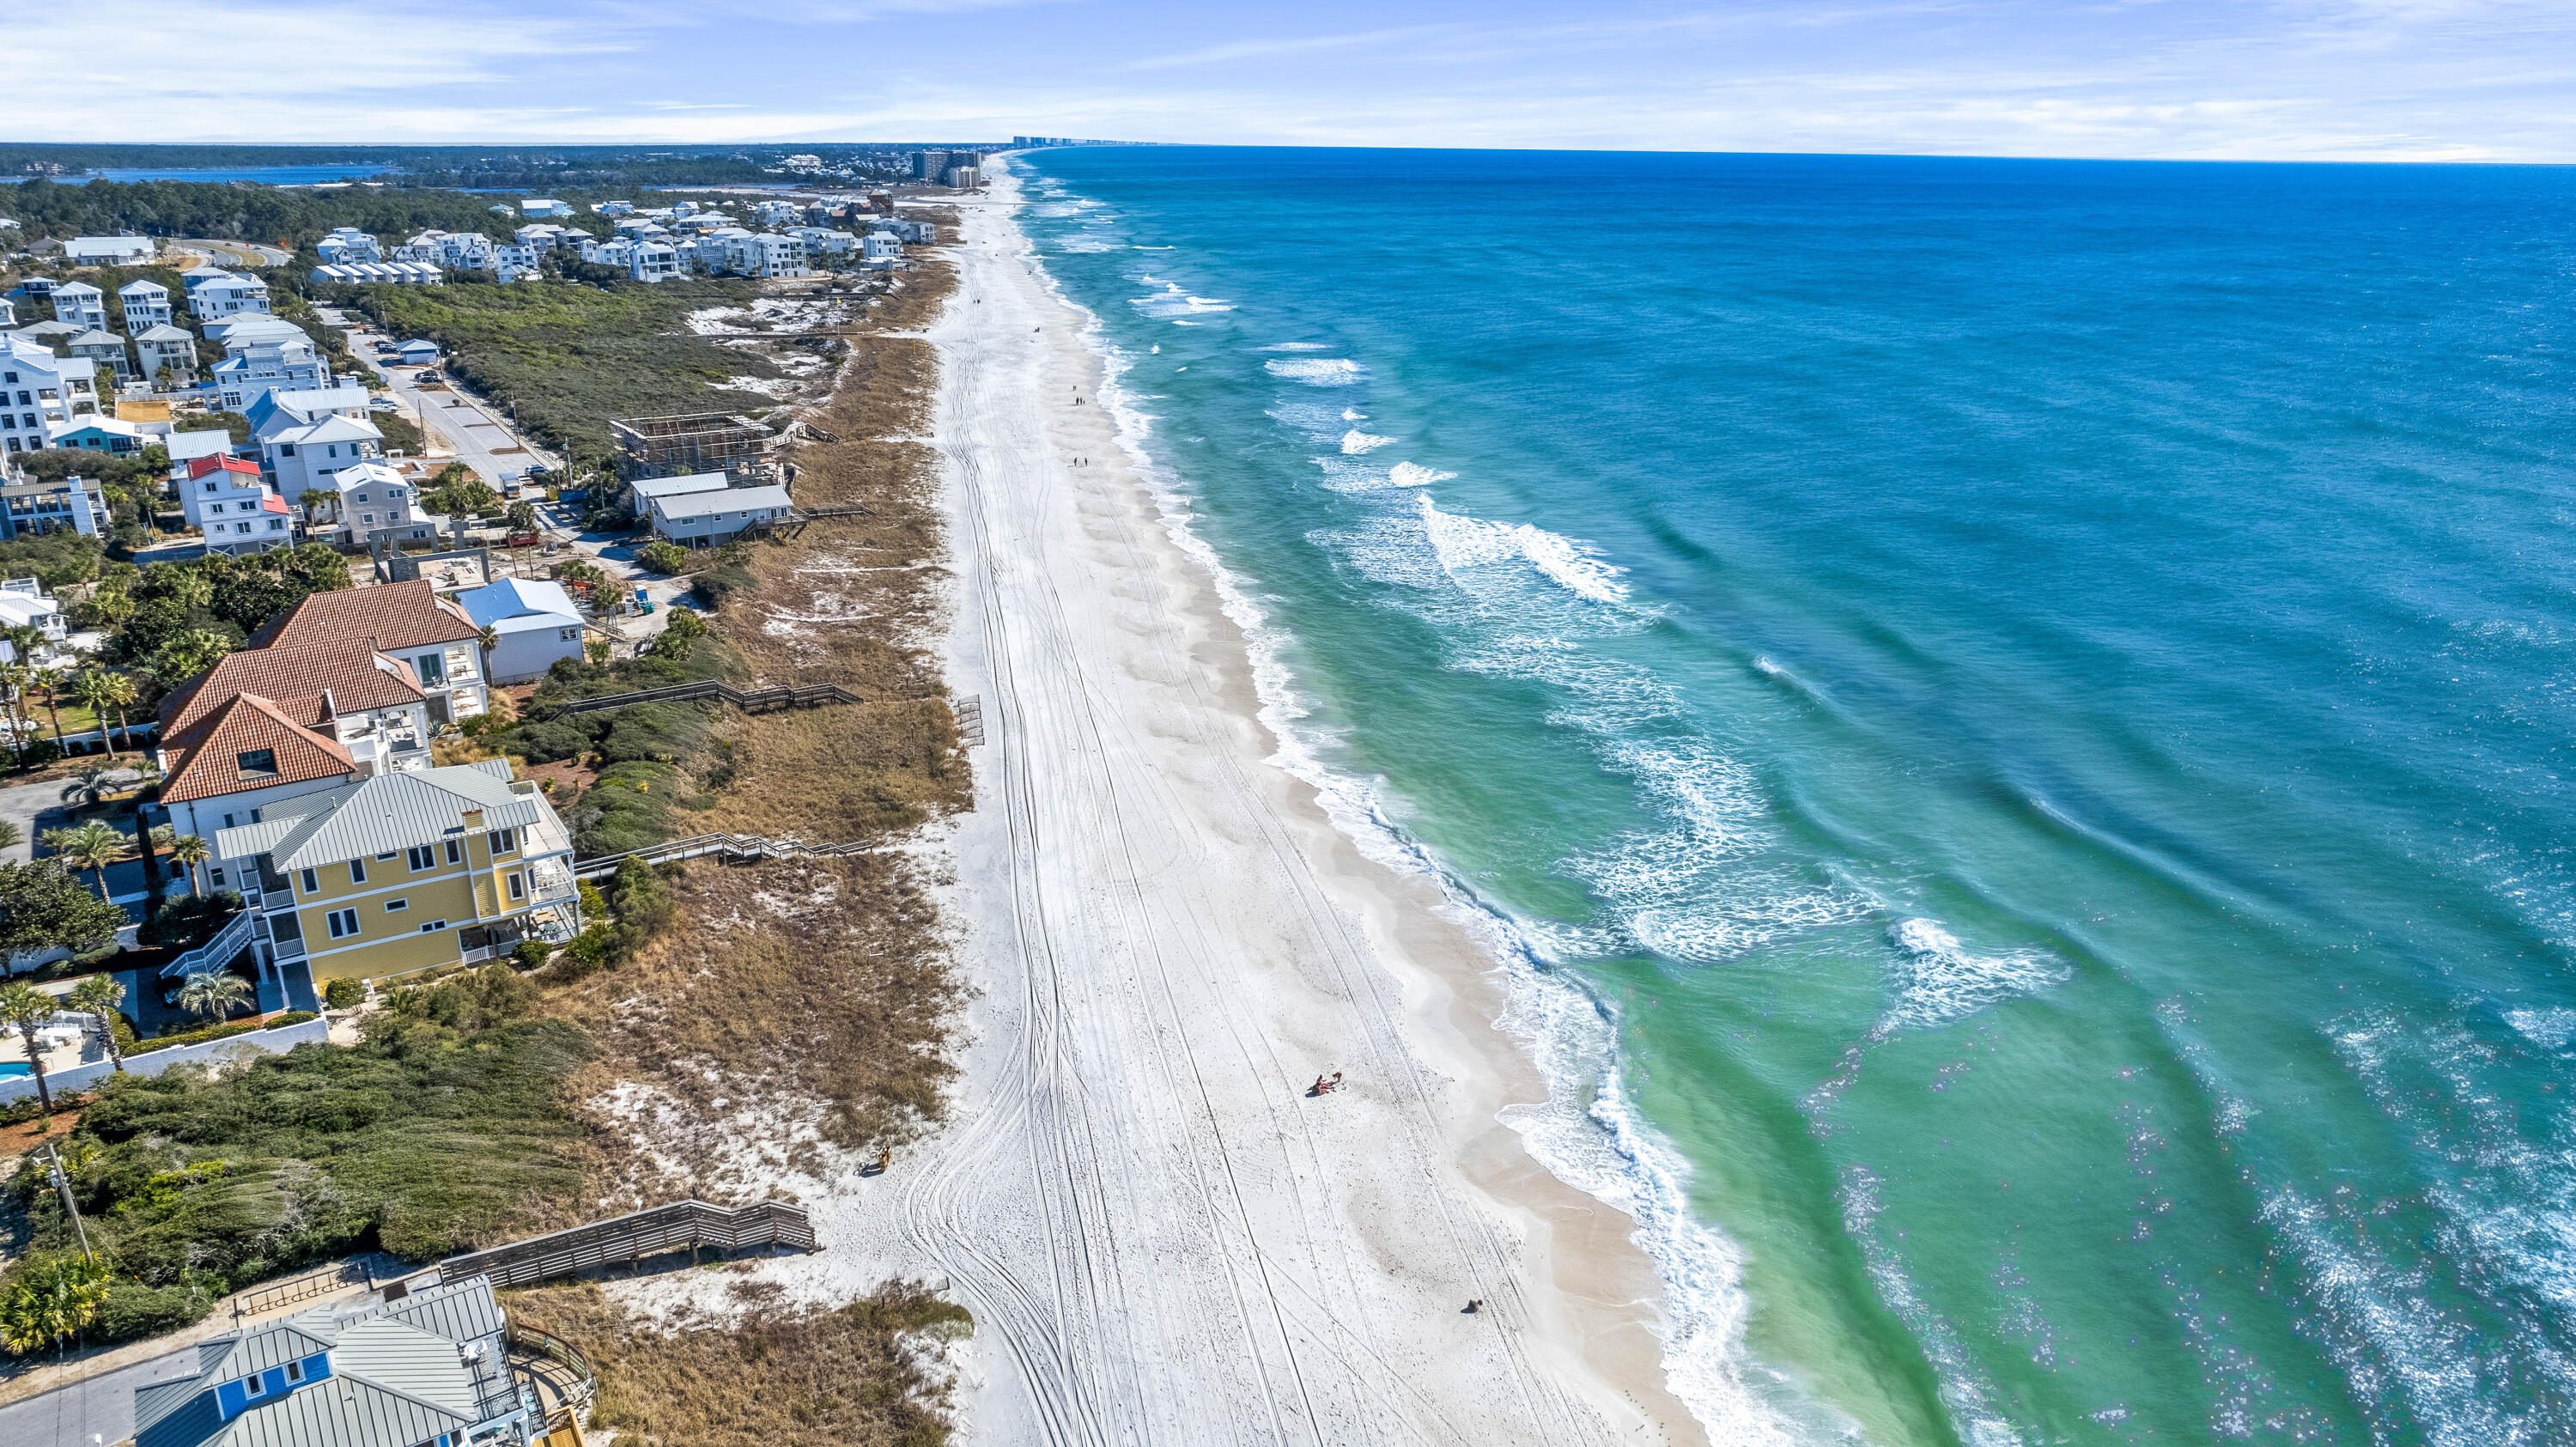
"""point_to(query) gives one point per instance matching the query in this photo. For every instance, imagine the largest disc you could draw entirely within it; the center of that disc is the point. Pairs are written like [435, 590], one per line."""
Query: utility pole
[63, 1187]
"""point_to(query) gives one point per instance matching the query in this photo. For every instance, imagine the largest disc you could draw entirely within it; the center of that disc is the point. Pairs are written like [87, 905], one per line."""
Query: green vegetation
[572, 356]
[663, 557]
[440, 1132]
[290, 219]
[343, 994]
[42, 907]
[171, 617]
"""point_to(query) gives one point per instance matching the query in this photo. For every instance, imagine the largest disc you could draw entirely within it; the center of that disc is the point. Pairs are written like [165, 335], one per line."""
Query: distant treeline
[293, 219]
[538, 168]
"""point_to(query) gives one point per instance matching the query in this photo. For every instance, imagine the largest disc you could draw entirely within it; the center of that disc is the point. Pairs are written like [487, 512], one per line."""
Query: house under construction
[695, 442]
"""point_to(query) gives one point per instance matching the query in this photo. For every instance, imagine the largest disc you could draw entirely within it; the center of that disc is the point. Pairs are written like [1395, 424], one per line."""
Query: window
[357, 871]
[504, 840]
[217, 874]
[433, 927]
[396, 906]
[455, 852]
[343, 922]
[569, 635]
[433, 668]
[256, 761]
[420, 856]
[286, 449]
[277, 525]
[252, 1386]
[518, 886]
[388, 854]
[312, 880]
[228, 821]
[294, 1372]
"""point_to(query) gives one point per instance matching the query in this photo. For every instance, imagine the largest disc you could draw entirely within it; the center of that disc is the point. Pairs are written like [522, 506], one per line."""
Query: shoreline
[1574, 1314]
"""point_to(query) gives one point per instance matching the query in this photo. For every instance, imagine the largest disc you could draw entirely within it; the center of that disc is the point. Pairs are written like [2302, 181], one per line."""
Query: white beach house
[536, 623]
[699, 518]
[147, 305]
[80, 304]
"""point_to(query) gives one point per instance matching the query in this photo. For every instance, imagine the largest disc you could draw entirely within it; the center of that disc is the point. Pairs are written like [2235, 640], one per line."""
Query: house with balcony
[224, 294]
[80, 304]
[312, 455]
[166, 351]
[348, 244]
[429, 1367]
[439, 640]
[73, 504]
[406, 872]
[228, 501]
[377, 500]
[102, 348]
[38, 389]
[256, 368]
[147, 305]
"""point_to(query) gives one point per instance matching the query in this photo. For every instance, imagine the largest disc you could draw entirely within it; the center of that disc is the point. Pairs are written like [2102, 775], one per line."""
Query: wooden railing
[338, 1276]
[749, 700]
[739, 847]
[574, 1396]
[682, 1224]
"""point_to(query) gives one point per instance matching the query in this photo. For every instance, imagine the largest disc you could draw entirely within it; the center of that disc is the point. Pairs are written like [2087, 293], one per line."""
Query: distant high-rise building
[927, 165]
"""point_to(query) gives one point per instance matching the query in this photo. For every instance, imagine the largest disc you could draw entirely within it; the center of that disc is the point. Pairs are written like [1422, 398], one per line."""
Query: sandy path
[1162, 1238]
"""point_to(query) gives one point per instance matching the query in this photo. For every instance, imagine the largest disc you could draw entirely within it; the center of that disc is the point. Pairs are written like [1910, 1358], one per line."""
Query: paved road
[472, 432]
[232, 253]
[97, 1410]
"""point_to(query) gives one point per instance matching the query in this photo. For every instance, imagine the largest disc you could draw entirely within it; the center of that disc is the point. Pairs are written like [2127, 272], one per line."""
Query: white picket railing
[215, 953]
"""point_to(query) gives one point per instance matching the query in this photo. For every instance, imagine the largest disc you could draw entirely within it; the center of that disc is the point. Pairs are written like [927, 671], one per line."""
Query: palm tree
[11, 836]
[188, 654]
[457, 492]
[51, 681]
[92, 846]
[18, 678]
[188, 851]
[120, 693]
[213, 993]
[23, 1008]
[91, 784]
[97, 690]
[315, 498]
[100, 996]
[523, 517]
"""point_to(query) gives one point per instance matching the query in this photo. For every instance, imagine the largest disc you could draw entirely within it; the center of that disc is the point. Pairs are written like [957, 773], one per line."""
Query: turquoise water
[2010, 718]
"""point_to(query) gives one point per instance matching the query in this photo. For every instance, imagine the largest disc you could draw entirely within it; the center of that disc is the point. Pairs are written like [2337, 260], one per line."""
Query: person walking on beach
[885, 1160]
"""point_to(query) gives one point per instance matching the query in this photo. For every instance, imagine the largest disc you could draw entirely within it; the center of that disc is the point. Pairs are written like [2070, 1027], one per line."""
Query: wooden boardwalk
[682, 1225]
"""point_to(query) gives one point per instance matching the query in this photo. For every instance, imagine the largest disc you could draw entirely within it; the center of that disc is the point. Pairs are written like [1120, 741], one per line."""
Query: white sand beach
[1162, 1237]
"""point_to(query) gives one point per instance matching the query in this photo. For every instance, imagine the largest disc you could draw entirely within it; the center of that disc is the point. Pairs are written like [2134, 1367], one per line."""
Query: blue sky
[2297, 79]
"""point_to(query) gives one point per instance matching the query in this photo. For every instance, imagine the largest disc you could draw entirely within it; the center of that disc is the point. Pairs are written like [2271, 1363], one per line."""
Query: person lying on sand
[1324, 1085]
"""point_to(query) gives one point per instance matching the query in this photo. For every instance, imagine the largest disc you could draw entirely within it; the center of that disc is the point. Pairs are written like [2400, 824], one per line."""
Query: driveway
[470, 431]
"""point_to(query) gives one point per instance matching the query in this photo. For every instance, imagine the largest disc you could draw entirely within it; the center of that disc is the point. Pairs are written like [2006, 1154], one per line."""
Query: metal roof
[732, 499]
[398, 1375]
[687, 482]
[383, 814]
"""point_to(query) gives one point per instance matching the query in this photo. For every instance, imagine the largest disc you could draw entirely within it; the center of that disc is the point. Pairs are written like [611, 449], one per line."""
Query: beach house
[348, 244]
[702, 518]
[229, 502]
[425, 1368]
[535, 623]
[108, 250]
[253, 369]
[269, 724]
[300, 456]
[407, 871]
[406, 619]
[640, 492]
[99, 433]
[71, 505]
[38, 388]
[544, 206]
[376, 500]
[102, 348]
[147, 305]
[80, 304]
[223, 294]
[165, 355]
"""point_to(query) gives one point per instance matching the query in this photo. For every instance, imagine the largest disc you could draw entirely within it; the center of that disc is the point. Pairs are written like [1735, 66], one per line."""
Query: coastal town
[324, 684]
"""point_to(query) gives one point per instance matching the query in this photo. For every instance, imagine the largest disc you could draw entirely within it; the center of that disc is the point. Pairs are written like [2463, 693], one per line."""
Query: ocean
[2009, 721]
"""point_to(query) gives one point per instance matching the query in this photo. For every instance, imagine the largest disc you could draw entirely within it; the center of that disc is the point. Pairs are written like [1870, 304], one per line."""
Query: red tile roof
[199, 467]
[296, 677]
[393, 615]
[209, 759]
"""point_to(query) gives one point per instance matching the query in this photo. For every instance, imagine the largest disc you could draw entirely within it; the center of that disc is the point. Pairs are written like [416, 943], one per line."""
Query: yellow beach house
[404, 872]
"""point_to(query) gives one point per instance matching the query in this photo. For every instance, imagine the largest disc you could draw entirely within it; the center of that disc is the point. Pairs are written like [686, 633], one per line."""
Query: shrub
[194, 1037]
[530, 954]
[594, 948]
[343, 994]
[663, 557]
[133, 1310]
[721, 582]
[291, 1017]
[42, 752]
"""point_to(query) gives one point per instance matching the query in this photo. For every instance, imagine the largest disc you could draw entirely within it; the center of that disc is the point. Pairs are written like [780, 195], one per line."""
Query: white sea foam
[1464, 542]
[2551, 1028]
[1938, 980]
[1296, 347]
[1172, 302]
[1588, 1133]
[1085, 244]
[1318, 371]
[1355, 441]
[1414, 474]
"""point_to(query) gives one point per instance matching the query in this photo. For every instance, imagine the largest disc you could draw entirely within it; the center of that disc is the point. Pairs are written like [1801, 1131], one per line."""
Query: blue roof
[514, 605]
